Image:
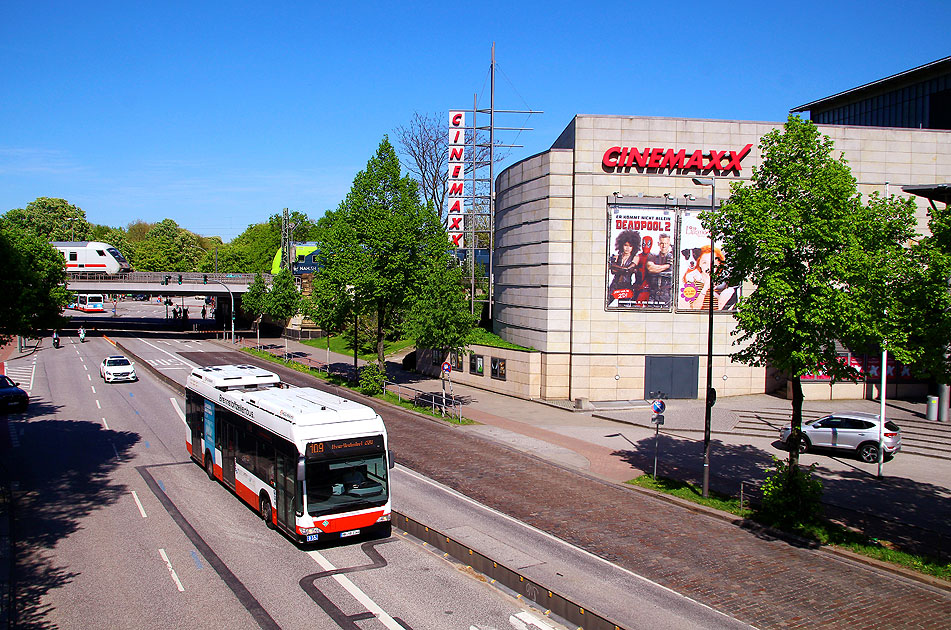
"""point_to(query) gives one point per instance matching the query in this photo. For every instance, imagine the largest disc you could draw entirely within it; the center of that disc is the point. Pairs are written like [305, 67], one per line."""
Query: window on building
[476, 364]
[455, 359]
[498, 368]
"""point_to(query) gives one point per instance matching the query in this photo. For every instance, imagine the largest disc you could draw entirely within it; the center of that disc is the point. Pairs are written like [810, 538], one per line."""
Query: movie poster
[693, 281]
[641, 251]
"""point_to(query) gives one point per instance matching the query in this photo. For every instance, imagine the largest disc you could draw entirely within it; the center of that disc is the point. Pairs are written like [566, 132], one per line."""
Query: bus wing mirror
[389, 456]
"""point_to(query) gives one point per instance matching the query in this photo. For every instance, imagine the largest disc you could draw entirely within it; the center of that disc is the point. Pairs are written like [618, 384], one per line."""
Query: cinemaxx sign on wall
[617, 158]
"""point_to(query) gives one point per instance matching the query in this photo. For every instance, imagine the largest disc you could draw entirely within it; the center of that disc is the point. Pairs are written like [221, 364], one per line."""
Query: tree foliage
[33, 282]
[51, 219]
[379, 247]
[283, 300]
[255, 298]
[821, 260]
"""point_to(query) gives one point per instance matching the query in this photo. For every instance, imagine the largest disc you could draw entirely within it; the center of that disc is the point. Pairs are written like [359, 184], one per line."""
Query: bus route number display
[350, 447]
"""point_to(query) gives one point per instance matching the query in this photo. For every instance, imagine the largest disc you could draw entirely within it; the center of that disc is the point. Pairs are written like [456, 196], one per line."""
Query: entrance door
[286, 473]
[197, 450]
[229, 445]
[675, 377]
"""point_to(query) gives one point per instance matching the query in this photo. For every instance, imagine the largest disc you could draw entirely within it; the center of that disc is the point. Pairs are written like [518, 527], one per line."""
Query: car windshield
[119, 361]
[6, 382]
[344, 485]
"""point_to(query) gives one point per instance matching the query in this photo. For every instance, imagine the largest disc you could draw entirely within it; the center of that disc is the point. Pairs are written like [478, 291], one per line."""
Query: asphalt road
[116, 528]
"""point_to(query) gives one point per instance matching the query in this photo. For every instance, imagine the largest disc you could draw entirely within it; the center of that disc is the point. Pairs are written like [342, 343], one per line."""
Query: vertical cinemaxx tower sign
[455, 184]
[621, 159]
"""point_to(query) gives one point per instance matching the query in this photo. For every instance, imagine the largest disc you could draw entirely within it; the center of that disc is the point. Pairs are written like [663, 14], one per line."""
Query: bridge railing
[191, 277]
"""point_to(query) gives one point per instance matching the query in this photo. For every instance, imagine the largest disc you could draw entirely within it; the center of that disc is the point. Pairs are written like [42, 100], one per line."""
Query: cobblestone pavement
[749, 575]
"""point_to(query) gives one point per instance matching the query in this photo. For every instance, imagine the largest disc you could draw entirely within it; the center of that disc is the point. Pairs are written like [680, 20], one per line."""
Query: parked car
[140, 297]
[117, 368]
[12, 398]
[852, 431]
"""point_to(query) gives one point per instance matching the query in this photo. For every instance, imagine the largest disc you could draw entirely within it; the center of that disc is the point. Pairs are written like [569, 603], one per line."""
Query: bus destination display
[350, 447]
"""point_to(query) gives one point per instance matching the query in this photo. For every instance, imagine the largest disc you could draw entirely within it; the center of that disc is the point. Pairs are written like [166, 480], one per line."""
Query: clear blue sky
[219, 114]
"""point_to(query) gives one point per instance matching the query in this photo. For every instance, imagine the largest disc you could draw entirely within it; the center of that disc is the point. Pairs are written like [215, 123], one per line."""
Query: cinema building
[614, 193]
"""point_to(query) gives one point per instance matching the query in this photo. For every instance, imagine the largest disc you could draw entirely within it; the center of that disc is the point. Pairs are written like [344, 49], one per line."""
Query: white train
[92, 257]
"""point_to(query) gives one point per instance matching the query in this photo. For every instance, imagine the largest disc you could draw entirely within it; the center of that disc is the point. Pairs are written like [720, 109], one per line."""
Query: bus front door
[286, 474]
[229, 444]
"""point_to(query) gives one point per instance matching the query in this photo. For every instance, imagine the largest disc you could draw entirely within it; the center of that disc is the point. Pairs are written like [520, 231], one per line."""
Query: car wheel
[210, 466]
[266, 512]
[868, 452]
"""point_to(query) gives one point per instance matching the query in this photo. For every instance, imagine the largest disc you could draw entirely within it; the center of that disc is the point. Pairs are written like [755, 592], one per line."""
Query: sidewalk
[911, 502]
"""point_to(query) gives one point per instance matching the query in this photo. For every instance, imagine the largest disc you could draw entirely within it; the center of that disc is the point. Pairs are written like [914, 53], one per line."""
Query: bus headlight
[309, 530]
[383, 519]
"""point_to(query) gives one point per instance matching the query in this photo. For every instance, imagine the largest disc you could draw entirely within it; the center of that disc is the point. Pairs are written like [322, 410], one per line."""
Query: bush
[371, 379]
[791, 496]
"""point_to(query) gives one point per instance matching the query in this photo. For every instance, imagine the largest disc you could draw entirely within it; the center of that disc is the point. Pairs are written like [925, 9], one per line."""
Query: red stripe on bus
[346, 523]
[246, 494]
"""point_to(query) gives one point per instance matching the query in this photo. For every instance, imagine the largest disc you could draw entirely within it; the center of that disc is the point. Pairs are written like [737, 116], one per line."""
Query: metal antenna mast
[478, 214]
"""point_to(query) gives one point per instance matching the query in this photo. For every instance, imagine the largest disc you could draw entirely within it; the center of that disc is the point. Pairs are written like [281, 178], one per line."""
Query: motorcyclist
[55, 339]
[82, 335]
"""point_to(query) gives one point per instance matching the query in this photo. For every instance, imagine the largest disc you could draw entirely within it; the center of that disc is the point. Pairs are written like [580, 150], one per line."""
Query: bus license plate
[312, 537]
[352, 532]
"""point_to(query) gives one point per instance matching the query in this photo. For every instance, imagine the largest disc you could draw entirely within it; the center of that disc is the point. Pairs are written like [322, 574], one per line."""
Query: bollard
[932, 411]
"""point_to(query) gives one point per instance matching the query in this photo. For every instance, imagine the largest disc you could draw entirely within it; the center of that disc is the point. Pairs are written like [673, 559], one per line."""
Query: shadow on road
[909, 514]
[61, 473]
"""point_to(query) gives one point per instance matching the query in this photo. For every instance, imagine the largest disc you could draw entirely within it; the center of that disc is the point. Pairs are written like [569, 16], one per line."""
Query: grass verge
[823, 532]
[343, 344]
[342, 382]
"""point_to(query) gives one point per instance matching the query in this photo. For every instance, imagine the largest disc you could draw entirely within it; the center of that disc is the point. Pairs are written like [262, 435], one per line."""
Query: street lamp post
[711, 396]
[230, 295]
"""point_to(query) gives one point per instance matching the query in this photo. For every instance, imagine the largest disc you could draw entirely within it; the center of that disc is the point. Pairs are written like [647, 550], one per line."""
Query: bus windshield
[346, 484]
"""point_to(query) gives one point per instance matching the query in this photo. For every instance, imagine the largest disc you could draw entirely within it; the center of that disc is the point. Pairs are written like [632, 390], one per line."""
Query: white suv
[852, 431]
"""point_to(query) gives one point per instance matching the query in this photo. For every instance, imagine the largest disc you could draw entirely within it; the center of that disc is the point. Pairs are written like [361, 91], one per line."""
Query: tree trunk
[796, 423]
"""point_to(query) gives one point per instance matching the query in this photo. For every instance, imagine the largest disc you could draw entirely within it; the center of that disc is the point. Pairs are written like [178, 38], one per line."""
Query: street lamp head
[703, 181]
[689, 197]
[668, 196]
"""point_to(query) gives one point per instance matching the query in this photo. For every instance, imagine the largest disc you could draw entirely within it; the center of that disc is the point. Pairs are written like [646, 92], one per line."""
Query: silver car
[117, 368]
[853, 431]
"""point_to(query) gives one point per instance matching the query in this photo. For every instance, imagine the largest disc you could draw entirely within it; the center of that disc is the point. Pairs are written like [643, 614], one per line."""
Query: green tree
[254, 300]
[283, 300]
[377, 248]
[52, 219]
[167, 247]
[440, 315]
[800, 233]
[34, 282]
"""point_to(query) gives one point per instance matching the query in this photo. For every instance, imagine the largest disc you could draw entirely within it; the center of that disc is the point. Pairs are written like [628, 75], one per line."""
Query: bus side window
[265, 462]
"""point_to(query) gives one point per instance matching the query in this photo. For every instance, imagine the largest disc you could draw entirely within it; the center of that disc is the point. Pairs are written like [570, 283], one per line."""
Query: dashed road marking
[168, 563]
[138, 504]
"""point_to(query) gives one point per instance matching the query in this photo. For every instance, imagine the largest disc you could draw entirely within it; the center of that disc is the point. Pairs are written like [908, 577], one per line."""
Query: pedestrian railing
[446, 405]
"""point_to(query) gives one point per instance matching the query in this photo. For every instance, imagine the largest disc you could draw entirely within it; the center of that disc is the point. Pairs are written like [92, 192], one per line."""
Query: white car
[853, 431]
[117, 368]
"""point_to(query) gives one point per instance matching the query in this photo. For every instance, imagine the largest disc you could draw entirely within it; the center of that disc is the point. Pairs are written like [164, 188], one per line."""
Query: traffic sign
[446, 367]
[659, 406]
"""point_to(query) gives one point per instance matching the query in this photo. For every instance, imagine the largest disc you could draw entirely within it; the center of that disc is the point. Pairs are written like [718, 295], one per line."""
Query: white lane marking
[178, 410]
[168, 563]
[115, 450]
[525, 621]
[357, 594]
[139, 505]
[83, 360]
[185, 361]
[105, 425]
[85, 367]
[93, 386]
[90, 379]
[97, 404]
[463, 497]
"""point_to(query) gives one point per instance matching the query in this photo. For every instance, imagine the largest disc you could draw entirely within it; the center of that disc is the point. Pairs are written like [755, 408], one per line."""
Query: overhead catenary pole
[472, 216]
[491, 295]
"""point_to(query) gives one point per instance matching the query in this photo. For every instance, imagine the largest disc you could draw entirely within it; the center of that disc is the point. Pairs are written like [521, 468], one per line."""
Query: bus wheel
[210, 466]
[266, 512]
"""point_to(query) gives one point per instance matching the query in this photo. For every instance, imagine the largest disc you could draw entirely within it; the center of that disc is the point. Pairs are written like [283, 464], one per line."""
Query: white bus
[314, 465]
[88, 303]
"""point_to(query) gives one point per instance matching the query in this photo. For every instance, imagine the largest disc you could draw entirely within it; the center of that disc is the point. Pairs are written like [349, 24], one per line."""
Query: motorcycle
[56, 342]
[82, 336]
